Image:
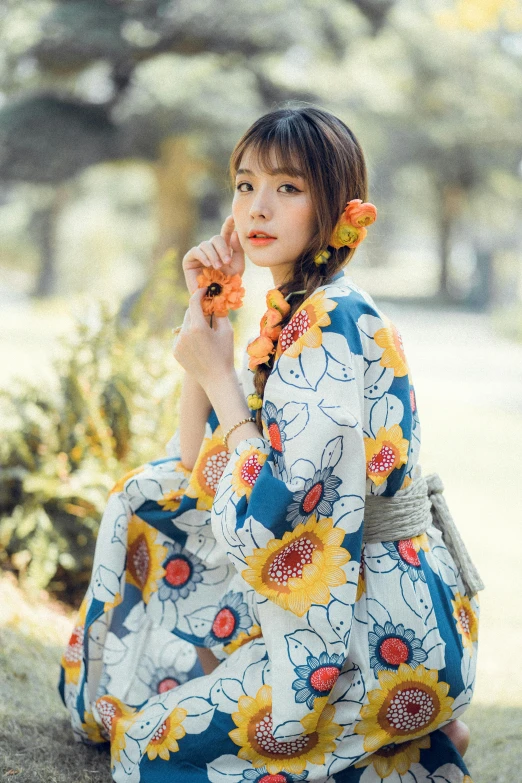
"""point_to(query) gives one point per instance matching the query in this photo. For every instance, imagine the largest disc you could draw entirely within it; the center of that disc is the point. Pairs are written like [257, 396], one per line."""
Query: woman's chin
[280, 270]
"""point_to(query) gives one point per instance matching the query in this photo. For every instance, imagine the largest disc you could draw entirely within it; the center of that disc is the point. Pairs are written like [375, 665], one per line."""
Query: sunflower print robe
[339, 662]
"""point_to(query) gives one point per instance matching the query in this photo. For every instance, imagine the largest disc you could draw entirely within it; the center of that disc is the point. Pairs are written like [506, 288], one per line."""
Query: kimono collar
[261, 349]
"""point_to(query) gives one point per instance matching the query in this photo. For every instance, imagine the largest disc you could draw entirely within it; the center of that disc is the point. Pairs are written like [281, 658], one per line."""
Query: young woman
[289, 537]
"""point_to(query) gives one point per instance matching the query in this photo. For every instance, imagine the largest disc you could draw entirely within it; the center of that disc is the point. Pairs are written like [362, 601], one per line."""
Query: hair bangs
[276, 151]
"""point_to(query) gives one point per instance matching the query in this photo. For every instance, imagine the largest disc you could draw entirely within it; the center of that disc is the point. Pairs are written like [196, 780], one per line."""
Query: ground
[469, 385]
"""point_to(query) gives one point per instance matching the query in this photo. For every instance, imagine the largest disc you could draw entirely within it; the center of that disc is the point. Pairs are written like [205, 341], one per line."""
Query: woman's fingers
[210, 252]
[231, 237]
[195, 254]
[227, 228]
[196, 316]
[234, 242]
[217, 251]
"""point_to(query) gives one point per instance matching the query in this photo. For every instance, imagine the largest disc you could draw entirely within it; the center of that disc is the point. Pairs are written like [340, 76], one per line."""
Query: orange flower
[224, 292]
[270, 324]
[263, 346]
[276, 301]
[259, 350]
[350, 228]
[346, 235]
[360, 214]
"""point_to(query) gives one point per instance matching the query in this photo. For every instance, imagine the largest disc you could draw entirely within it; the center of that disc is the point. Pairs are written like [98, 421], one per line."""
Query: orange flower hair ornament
[263, 346]
[350, 229]
[224, 292]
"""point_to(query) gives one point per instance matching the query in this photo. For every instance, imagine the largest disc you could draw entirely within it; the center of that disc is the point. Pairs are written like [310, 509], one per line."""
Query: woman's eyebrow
[274, 172]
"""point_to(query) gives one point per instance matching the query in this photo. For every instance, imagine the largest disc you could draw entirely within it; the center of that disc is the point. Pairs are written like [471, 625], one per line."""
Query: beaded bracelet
[233, 427]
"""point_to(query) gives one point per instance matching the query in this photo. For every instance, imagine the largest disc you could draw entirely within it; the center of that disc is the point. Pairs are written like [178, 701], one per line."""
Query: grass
[36, 741]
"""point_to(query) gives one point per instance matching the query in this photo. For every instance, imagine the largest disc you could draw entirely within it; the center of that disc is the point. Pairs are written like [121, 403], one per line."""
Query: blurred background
[117, 118]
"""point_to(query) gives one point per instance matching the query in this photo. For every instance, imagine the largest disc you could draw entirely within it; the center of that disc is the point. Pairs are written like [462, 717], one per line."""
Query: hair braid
[307, 276]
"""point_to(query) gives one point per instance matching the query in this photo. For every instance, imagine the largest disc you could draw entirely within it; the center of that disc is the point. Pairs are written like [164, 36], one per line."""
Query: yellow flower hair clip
[254, 402]
[322, 257]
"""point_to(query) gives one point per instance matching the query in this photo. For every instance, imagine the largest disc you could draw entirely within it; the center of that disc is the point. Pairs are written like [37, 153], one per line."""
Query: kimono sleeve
[289, 511]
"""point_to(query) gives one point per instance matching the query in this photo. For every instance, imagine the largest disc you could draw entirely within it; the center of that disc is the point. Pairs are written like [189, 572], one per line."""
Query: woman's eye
[246, 187]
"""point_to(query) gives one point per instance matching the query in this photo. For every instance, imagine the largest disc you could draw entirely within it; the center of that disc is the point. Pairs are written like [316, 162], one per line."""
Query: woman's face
[277, 206]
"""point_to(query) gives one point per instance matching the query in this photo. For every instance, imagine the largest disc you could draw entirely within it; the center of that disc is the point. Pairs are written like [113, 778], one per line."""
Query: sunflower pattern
[385, 453]
[299, 569]
[115, 718]
[262, 775]
[392, 645]
[390, 340]
[181, 573]
[317, 496]
[254, 632]
[395, 757]
[317, 677]
[408, 704]
[144, 557]
[467, 621]
[247, 470]
[339, 663]
[171, 501]
[207, 471]
[164, 741]
[304, 328]
[280, 425]
[232, 619]
[258, 745]
[406, 556]
[73, 654]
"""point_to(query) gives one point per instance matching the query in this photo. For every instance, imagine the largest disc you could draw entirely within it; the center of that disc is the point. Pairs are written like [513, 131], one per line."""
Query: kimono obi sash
[410, 514]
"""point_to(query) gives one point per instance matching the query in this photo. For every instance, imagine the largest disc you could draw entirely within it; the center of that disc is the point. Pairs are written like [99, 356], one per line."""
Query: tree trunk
[450, 205]
[177, 210]
[44, 227]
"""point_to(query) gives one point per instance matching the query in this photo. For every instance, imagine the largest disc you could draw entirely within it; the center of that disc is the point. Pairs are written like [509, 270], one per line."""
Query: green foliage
[61, 451]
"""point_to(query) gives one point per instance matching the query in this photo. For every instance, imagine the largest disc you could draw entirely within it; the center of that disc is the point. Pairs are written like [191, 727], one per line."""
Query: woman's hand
[208, 354]
[222, 251]
[204, 351]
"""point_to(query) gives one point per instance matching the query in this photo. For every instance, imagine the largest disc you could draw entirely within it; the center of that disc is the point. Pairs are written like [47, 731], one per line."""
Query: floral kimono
[340, 661]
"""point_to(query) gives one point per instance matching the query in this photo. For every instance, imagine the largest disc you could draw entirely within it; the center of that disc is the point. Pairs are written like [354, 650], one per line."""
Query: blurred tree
[448, 101]
[173, 83]
[482, 15]
[461, 122]
[66, 124]
[43, 227]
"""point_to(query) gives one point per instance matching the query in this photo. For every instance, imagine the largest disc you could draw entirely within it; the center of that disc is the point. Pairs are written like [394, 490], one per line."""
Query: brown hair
[320, 145]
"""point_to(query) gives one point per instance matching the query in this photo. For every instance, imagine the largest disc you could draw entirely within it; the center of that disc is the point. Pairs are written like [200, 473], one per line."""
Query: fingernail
[228, 258]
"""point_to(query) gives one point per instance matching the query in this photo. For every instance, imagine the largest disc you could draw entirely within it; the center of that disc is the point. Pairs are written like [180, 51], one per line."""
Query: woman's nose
[260, 206]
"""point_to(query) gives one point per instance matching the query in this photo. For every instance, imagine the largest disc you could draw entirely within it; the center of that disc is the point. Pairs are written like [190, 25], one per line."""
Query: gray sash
[411, 513]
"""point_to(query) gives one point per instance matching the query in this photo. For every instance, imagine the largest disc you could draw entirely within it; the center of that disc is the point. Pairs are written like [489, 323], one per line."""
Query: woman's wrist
[248, 430]
[194, 409]
[225, 394]
[228, 401]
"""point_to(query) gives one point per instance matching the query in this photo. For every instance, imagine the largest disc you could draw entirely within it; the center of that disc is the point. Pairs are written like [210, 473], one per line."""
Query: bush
[61, 451]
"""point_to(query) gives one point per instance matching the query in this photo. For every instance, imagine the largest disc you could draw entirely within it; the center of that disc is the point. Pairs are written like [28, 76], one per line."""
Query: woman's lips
[259, 241]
